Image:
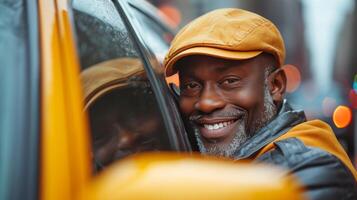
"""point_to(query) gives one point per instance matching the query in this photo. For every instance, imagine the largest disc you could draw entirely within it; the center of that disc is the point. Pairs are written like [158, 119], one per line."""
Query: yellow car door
[65, 155]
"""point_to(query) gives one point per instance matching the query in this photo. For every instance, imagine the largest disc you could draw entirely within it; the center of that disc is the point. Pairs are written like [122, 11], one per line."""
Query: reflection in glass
[123, 112]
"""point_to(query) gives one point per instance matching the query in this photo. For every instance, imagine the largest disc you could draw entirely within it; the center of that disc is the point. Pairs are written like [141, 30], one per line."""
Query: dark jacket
[309, 150]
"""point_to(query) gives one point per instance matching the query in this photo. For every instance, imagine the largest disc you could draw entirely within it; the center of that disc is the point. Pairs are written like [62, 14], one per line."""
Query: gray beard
[243, 133]
[224, 150]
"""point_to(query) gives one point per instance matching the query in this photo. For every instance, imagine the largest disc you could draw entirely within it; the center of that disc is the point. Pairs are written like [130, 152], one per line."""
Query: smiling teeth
[217, 126]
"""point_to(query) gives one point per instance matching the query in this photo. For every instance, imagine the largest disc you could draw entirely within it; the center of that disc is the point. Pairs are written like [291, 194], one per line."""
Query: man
[122, 111]
[232, 94]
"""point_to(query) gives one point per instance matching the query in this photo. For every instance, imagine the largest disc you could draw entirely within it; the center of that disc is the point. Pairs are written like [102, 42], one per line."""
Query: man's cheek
[187, 106]
[245, 98]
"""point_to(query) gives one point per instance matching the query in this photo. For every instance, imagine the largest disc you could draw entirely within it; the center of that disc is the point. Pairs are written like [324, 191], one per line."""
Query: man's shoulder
[322, 174]
[292, 153]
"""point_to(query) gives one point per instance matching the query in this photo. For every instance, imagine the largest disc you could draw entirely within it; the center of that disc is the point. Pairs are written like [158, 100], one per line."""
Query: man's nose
[209, 100]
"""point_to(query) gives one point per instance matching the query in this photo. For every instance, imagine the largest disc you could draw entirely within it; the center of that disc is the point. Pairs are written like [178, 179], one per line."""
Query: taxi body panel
[64, 141]
[181, 176]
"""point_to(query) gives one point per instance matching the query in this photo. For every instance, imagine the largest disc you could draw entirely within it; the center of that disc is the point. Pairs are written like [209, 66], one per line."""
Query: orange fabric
[229, 34]
[316, 133]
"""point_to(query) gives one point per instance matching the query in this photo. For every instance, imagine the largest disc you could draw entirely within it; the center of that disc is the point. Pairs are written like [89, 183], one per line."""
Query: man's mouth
[217, 128]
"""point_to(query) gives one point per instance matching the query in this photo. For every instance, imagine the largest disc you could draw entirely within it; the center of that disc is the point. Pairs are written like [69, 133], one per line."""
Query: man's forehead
[200, 61]
[189, 64]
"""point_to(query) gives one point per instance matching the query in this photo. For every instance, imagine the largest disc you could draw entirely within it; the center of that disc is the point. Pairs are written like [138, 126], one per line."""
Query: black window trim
[179, 141]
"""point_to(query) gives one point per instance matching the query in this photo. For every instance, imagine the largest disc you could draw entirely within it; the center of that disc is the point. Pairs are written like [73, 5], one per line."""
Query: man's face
[225, 101]
[115, 139]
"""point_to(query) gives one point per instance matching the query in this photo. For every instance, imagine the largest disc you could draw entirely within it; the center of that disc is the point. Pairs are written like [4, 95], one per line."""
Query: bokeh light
[342, 116]
[328, 106]
[355, 83]
[352, 96]
[168, 37]
[309, 91]
[293, 78]
[172, 13]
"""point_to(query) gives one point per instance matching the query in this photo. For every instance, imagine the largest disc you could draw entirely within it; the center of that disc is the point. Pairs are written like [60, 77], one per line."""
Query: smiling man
[222, 125]
[232, 89]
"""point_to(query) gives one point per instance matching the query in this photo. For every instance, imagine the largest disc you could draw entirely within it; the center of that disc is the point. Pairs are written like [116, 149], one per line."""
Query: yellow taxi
[59, 59]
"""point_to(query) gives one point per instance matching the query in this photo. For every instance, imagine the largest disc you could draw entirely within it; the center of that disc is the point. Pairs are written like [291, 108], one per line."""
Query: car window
[124, 115]
[146, 19]
[101, 33]
[156, 36]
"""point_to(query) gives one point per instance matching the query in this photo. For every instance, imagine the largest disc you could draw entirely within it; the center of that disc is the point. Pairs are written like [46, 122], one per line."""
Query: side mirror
[181, 176]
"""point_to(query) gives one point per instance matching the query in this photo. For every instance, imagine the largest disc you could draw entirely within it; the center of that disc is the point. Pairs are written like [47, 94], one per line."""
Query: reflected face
[119, 131]
[225, 101]
[116, 140]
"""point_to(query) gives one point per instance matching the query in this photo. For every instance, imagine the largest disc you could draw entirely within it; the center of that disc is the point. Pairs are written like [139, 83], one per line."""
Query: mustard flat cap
[226, 33]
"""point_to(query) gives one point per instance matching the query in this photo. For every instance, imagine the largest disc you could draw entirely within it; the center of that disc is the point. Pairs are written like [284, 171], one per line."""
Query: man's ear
[277, 81]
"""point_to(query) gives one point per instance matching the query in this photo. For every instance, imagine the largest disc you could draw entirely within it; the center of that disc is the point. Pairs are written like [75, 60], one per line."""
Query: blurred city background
[320, 43]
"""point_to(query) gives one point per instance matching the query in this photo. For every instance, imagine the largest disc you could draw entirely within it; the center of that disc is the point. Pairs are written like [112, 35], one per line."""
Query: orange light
[342, 116]
[172, 13]
[293, 78]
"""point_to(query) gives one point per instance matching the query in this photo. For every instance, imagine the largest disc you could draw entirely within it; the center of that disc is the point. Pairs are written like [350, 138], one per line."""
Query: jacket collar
[285, 120]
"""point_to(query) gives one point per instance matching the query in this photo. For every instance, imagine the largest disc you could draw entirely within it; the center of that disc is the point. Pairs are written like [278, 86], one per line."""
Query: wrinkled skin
[227, 101]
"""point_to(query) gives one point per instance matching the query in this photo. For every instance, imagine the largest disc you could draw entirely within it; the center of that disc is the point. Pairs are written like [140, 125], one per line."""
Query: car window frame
[24, 137]
[157, 30]
[171, 116]
[165, 26]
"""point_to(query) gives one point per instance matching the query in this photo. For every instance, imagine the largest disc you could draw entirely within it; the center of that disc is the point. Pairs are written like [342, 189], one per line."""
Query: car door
[65, 164]
[99, 32]
[112, 41]
[154, 37]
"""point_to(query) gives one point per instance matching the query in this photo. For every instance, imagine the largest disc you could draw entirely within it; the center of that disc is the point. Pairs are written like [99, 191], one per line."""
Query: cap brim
[209, 51]
[92, 98]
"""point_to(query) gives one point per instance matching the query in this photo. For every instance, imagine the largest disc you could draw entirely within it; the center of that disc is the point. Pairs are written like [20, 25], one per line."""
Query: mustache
[233, 112]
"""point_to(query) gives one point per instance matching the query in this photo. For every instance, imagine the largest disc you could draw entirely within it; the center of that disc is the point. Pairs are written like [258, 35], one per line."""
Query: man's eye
[191, 85]
[190, 88]
[230, 81]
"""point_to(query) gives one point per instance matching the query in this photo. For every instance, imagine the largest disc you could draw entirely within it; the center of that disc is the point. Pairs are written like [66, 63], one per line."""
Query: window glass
[124, 115]
[156, 36]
